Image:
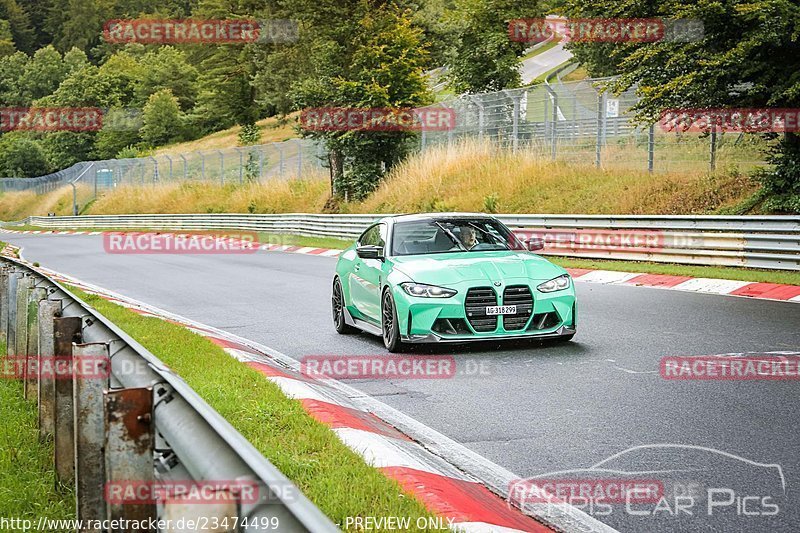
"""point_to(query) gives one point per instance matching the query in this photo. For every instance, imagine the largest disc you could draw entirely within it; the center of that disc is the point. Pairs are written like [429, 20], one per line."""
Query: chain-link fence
[580, 123]
[284, 160]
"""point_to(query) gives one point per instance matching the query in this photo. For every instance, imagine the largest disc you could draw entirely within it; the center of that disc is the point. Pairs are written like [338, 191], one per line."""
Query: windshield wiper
[452, 237]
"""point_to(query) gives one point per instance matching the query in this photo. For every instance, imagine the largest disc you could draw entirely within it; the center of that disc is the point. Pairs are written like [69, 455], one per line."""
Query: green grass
[334, 477]
[27, 477]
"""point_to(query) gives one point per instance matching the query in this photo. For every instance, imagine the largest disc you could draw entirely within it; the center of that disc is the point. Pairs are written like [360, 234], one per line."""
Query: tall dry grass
[472, 176]
[203, 197]
[467, 176]
[18, 205]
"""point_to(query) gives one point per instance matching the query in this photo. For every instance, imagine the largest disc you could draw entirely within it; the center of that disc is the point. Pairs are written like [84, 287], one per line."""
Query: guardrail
[120, 418]
[771, 242]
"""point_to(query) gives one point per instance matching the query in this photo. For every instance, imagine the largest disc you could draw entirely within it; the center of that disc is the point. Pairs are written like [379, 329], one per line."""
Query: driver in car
[468, 237]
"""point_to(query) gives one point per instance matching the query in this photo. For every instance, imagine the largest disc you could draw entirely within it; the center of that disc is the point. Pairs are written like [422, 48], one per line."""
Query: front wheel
[389, 325]
[337, 307]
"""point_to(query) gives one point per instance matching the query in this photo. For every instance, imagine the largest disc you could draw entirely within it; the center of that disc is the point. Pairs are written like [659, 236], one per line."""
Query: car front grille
[519, 295]
[476, 302]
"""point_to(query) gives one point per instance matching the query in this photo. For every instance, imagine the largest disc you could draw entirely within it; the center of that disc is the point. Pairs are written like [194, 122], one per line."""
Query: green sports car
[450, 278]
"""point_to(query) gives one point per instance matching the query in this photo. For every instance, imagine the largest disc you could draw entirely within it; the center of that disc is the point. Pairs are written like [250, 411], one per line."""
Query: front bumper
[436, 338]
[420, 319]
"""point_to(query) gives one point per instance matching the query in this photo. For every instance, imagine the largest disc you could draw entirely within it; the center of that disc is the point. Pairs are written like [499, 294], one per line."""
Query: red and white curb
[727, 287]
[383, 437]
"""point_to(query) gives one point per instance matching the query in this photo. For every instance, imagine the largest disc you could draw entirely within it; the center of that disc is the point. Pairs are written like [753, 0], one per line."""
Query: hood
[453, 268]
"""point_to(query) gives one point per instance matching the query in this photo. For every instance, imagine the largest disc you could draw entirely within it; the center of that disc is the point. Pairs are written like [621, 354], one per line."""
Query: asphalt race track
[534, 409]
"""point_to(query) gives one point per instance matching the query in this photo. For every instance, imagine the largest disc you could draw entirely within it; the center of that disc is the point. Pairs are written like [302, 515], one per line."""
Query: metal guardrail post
[66, 330]
[11, 318]
[129, 442]
[651, 147]
[48, 311]
[21, 316]
[90, 379]
[4, 273]
[35, 295]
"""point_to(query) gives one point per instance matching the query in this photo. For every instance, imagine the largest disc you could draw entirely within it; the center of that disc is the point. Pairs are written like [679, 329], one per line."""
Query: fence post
[651, 146]
[170, 166]
[185, 167]
[553, 128]
[241, 166]
[515, 123]
[202, 165]
[260, 164]
[66, 330]
[299, 158]
[712, 163]
[129, 442]
[601, 104]
[280, 164]
[48, 311]
[89, 380]
[221, 167]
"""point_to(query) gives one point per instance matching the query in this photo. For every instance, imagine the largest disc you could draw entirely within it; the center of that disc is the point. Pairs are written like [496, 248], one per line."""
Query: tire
[389, 325]
[337, 309]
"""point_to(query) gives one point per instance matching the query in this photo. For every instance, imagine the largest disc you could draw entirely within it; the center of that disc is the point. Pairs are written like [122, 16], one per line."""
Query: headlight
[556, 284]
[427, 291]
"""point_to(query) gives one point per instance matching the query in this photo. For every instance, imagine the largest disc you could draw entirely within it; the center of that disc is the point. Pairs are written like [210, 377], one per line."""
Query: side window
[369, 237]
[374, 236]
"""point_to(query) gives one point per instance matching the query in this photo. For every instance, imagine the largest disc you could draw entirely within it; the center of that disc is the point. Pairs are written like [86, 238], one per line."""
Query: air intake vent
[519, 295]
[476, 302]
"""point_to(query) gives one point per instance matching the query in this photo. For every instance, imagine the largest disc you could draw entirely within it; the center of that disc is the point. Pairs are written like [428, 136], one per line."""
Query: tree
[167, 68]
[43, 74]
[749, 56]
[483, 58]
[162, 119]
[7, 47]
[19, 25]
[379, 64]
[21, 156]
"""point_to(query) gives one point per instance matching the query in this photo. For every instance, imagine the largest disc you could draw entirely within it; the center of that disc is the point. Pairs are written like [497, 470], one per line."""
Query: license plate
[501, 310]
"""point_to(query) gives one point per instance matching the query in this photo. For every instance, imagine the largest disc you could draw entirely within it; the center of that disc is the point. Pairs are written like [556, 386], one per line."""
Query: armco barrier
[746, 241]
[133, 421]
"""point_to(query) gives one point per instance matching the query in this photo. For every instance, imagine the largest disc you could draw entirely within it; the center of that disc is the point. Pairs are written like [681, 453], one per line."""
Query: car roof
[437, 216]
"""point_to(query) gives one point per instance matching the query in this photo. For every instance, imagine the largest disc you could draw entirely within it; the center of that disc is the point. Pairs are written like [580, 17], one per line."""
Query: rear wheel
[389, 325]
[337, 307]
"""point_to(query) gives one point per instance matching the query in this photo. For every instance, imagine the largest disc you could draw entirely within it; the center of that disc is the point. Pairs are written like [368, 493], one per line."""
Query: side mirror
[370, 252]
[535, 243]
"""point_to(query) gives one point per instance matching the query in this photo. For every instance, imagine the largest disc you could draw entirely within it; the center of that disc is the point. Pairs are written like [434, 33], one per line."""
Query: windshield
[436, 236]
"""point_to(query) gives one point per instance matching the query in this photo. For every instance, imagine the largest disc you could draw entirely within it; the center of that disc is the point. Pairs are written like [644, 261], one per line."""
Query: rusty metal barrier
[119, 418]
